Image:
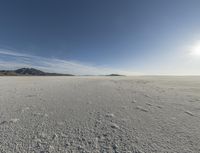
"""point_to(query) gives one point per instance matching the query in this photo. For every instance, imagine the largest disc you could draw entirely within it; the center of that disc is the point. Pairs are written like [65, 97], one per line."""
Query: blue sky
[101, 36]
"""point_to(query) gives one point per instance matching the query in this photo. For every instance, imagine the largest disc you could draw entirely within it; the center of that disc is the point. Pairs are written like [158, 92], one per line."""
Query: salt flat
[100, 114]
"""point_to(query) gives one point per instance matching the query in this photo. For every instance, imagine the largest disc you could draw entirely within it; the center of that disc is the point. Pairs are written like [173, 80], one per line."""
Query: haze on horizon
[101, 37]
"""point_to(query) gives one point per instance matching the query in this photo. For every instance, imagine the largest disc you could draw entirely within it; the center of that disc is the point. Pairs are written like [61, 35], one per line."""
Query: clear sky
[101, 36]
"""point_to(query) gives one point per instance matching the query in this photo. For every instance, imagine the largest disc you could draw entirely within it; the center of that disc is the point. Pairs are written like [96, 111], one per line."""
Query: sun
[195, 49]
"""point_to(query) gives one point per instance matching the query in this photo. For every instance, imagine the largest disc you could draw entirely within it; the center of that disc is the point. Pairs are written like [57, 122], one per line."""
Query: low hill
[115, 75]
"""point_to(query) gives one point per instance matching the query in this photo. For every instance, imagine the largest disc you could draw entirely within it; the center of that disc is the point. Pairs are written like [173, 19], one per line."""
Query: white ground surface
[100, 114]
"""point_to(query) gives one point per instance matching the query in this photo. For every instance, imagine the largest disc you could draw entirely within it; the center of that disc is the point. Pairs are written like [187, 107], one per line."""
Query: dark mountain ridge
[29, 72]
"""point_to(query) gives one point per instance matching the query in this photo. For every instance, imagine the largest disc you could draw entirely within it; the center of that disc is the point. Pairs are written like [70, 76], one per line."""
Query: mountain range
[29, 72]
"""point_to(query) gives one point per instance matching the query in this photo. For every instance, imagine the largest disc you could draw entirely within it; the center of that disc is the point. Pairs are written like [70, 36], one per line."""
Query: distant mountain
[29, 72]
[115, 75]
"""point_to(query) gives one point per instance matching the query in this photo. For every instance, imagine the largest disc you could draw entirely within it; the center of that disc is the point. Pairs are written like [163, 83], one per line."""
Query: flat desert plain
[100, 114]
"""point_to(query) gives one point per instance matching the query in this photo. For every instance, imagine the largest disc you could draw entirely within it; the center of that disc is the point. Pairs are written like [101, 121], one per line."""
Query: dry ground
[100, 114]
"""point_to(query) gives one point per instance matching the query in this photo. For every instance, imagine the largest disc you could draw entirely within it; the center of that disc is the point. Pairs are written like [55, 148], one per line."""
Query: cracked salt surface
[111, 115]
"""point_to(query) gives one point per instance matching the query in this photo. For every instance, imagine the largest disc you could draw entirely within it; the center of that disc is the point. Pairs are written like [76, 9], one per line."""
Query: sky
[131, 37]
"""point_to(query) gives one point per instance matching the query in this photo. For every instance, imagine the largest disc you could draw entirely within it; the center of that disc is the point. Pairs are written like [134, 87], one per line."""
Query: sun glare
[195, 50]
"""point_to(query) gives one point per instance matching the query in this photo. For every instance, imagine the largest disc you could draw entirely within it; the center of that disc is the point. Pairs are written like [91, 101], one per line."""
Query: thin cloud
[16, 60]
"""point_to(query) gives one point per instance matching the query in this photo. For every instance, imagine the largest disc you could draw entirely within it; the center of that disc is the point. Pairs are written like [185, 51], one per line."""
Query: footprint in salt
[3, 122]
[133, 101]
[110, 115]
[189, 113]
[114, 126]
[141, 109]
[149, 104]
[159, 107]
